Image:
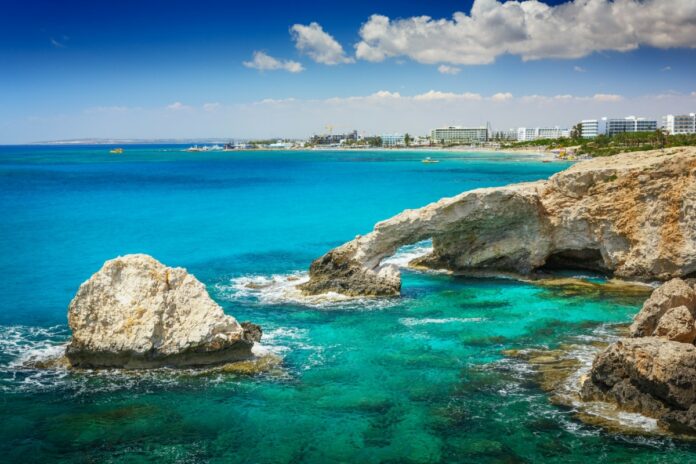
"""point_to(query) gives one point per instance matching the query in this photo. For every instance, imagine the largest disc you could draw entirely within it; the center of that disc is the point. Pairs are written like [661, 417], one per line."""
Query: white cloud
[178, 106]
[437, 95]
[264, 62]
[607, 97]
[446, 69]
[319, 45]
[666, 68]
[107, 109]
[211, 106]
[579, 69]
[380, 112]
[56, 43]
[532, 30]
[502, 96]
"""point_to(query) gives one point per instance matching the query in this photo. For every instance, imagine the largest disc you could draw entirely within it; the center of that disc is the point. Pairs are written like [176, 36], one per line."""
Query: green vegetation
[374, 141]
[604, 145]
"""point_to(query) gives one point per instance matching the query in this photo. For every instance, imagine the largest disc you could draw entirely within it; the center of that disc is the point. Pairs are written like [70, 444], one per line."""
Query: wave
[412, 321]
[21, 345]
[568, 392]
[408, 253]
[30, 362]
[279, 289]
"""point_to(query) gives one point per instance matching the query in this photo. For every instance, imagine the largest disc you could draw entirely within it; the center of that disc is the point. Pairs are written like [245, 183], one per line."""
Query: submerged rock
[137, 313]
[629, 215]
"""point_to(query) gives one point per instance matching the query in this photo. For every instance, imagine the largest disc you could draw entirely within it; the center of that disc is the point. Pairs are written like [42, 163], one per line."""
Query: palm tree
[407, 139]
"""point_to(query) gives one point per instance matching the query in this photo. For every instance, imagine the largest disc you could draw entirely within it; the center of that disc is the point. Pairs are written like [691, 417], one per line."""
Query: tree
[576, 131]
[407, 139]
[661, 138]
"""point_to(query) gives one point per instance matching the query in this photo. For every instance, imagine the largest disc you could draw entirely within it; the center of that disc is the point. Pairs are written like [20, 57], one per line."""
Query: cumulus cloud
[318, 45]
[579, 69]
[446, 69]
[501, 96]
[532, 30]
[607, 97]
[264, 62]
[437, 95]
[178, 106]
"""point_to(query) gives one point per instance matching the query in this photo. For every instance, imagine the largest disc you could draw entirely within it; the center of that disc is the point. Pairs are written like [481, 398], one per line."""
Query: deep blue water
[417, 379]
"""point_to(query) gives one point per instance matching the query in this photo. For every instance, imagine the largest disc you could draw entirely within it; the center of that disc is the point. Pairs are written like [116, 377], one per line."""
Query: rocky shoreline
[629, 216]
[653, 371]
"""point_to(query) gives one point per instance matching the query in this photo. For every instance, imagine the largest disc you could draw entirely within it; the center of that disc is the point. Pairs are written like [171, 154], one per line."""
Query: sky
[231, 69]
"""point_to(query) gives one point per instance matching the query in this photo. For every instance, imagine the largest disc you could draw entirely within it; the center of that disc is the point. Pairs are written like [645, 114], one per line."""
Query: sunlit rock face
[654, 371]
[136, 312]
[631, 215]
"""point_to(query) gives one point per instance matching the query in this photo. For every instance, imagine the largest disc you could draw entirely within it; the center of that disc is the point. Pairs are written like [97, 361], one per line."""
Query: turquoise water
[417, 379]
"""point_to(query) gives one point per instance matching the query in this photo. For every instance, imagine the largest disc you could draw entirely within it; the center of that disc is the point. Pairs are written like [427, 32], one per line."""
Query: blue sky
[176, 69]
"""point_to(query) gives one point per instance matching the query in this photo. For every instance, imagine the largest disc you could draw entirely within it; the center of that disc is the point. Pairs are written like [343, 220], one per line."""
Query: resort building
[526, 134]
[333, 139]
[592, 127]
[393, 140]
[680, 123]
[610, 126]
[456, 135]
[509, 135]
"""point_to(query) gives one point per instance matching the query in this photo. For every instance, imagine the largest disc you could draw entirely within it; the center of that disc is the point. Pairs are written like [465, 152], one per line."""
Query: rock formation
[631, 215]
[137, 313]
[654, 371]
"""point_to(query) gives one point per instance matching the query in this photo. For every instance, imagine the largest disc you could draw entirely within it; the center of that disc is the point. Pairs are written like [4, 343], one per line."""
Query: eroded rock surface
[136, 312]
[631, 215]
[653, 372]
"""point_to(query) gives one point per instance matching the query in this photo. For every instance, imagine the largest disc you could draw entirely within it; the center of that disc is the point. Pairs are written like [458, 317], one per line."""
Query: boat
[116, 151]
[429, 160]
[193, 148]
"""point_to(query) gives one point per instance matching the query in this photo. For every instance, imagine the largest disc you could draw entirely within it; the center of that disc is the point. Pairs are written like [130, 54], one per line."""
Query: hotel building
[680, 123]
[456, 134]
[393, 140]
[610, 126]
[526, 134]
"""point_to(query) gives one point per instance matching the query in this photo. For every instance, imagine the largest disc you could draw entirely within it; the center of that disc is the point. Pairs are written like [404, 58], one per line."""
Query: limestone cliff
[631, 215]
[137, 313]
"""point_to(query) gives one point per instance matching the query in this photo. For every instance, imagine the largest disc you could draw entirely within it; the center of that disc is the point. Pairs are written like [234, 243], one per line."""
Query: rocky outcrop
[670, 295]
[631, 215]
[654, 371]
[137, 313]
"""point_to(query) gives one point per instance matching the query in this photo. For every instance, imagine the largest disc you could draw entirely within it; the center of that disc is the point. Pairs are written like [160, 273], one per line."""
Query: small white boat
[429, 160]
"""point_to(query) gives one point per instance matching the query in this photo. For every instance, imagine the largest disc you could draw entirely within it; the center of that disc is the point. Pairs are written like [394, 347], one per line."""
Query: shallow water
[416, 379]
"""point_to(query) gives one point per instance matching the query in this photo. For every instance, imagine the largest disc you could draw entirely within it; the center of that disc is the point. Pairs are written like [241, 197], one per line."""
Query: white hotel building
[456, 134]
[526, 134]
[680, 123]
[610, 126]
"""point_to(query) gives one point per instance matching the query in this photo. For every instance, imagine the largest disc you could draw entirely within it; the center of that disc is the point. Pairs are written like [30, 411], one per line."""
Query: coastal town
[562, 141]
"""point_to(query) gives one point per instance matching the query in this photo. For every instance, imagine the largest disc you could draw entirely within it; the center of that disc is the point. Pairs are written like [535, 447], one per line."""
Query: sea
[424, 378]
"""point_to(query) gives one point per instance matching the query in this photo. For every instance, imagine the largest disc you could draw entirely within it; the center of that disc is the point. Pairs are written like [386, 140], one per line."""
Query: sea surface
[419, 379]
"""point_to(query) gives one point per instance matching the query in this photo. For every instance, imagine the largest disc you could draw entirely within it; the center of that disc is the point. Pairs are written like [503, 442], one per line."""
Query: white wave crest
[412, 321]
[279, 289]
[408, 253]
[569, 390]
[20, 345]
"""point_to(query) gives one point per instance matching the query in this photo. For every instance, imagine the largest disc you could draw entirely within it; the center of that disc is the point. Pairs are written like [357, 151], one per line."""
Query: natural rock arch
[631, 215]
